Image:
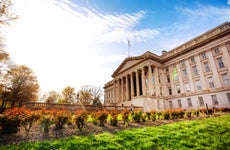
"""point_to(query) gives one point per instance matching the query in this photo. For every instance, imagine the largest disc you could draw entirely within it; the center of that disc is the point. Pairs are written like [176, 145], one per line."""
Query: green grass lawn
[211, 133]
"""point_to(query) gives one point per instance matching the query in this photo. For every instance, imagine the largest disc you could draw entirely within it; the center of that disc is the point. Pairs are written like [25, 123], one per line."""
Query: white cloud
[228, 2]
[61, 41]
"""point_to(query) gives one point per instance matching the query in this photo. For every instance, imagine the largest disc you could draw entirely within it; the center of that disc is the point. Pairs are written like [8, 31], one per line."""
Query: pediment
[133, 61]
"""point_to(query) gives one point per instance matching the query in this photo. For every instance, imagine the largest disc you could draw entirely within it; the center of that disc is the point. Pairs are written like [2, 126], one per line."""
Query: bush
[166, 115]
[102, 117]
[136, 116]
[125, 117]
[153, 115]
[114, 118]
[11, 120]
[61, 117]
[196, 113]
[81, 117]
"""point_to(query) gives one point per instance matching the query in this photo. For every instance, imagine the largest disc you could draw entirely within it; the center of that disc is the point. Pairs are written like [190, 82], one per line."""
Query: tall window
[160, 90]
[179, 103]
[182, 63]
[168, 79]
[214, 100]
[211, 82]
[203, 55]
[198, 85]
[189, 102]
[187, 87]
[220, 62]
[175, 76]
[206, 67]
[225, 79]
[201, 101]
[158, 104]
[170, 90]
[164, 104]
[192, 59]
[178, 89]
[170, 105]
[216, 50]
[159, 78]
[184, 72]
[195, 71]
[146, 82]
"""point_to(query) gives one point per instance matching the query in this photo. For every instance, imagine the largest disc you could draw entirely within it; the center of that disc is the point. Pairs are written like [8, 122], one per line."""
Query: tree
[51, 97]
[68, 94]
[20, 85]
[90, 95]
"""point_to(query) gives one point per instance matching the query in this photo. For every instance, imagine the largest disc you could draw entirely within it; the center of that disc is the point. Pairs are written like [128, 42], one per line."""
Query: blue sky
[81, 42]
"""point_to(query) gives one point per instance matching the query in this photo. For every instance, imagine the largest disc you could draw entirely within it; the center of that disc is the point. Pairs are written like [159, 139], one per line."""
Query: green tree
[21, 85]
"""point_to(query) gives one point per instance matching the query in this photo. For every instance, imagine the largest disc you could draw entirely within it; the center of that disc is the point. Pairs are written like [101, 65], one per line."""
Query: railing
[75, 107]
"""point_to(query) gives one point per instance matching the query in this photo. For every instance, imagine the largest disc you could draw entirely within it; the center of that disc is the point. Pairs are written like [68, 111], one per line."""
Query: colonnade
[136, 83]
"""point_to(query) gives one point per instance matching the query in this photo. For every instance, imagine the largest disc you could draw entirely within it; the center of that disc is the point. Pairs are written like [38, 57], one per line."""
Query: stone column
[127, 87]
[143, 81]
[132, 86]
[150, 75]
[122, 90]
[225, 56]
[201, 73]
[137, 84]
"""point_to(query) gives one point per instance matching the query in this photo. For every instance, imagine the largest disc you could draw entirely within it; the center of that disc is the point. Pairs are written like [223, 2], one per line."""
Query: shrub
[166, 115]
[11, 120]
[125, 117]
[114, 118]
[136, 116]
[46, 120]
[81, 117]
[153, 115]
[61, 117]
[196, 113]
[158, 115]
[102, 117]
[188, 114]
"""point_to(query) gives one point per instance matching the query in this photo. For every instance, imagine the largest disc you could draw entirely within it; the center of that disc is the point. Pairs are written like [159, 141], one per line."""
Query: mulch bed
[89, 128]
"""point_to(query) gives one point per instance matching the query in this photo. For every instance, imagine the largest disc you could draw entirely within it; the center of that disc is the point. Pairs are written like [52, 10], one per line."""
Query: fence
[75, 107]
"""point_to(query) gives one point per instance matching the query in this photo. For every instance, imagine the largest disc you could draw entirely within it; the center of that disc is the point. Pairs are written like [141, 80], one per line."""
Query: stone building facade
[190, 76]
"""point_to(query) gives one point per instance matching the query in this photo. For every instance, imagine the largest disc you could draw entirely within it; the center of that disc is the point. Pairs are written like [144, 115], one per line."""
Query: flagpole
[128, 48]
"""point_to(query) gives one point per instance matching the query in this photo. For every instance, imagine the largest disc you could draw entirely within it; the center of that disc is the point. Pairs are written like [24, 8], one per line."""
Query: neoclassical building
[190, 76]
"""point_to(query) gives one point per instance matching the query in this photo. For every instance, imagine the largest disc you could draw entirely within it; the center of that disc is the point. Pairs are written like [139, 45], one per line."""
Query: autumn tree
[51, 97]
[90, 95]
[21, 85]
[68, 94]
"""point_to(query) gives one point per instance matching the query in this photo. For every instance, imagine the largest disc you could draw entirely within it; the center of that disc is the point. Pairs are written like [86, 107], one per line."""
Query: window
[160, 90]
[192, 59]
[214, 100]
[198, 85]
[167, 70]
[184, 72]
[225, 79]
[178, 89]
[175, 76]
[206, 67]
[170, 90]
[159, 78]
[211, 82]
[203, 55]
[179, 103]
[201, 101]
[189, 102]
[216, 50]
[187, 87]
[158, 104]
[168, 79]
[220, 62]
[146, 82]
[195, 71]
[170, 105]
[182, 63]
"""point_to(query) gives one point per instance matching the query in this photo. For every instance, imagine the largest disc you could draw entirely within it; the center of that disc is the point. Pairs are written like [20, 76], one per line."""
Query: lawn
[210, 133]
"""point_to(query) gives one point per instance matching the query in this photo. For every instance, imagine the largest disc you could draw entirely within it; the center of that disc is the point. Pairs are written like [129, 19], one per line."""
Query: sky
[82, 42]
